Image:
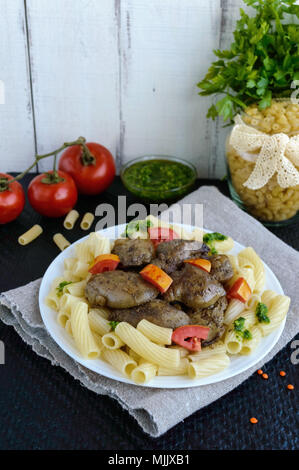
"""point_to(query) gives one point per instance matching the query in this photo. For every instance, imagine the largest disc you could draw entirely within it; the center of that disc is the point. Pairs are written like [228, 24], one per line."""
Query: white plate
[238, 363]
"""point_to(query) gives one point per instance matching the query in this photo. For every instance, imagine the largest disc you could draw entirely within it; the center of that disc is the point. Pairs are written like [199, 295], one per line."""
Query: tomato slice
[104, 263]
[156, 276]
[201, 263]
[240, 290]
[190, 336]
[161, 234]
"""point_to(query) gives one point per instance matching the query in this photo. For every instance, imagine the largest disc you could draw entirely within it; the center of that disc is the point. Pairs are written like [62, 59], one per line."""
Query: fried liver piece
[171, 254]
[119, 289]
[134, 252]
[156, 311]
[221, 268]
[194, 287]
[212, 317]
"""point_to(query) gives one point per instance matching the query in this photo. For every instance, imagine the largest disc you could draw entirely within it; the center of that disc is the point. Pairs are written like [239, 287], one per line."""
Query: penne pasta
[249, 345]
[68, 302]
[82, 333]
[112, 341]
[232, 341]
[68, 327]
[62, 318]
[120, 360]
[278, 309]
[61, 241]
[143, 373]
[155, 333]
[224, 246]
[181, 369]
[216, 348]
[30, 235]
[209, 366]
[87, 221]
[71, 219]
[234, 309]
[98, 323]
[145, 348]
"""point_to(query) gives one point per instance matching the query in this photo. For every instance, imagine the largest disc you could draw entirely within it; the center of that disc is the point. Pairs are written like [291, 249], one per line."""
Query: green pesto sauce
[163, 175]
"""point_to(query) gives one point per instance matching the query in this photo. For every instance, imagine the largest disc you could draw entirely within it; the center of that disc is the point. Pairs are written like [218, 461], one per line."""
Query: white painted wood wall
[120, 72]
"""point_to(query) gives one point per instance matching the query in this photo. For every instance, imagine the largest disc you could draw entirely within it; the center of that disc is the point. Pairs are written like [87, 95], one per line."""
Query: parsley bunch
[261, 63]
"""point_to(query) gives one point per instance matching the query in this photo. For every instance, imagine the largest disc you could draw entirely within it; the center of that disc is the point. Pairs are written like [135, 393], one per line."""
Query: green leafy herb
[113, 324]
[136, 226]
[210, 238]
[239, 327]
[239, 324]
[60, 287]
[261, 313]
[262, 61]
[247, 334]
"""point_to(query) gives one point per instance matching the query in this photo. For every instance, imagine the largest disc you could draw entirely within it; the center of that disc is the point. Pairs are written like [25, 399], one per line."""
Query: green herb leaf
[113, 324]
[261, 313]
[210, 238]
[239, 327]
[136, 226]
[239, 324]
[247, 335]
[61, 286]
[262, 61]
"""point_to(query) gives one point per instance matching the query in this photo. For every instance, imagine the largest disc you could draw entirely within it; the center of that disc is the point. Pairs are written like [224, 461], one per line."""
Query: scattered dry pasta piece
[30, 235]
[61, 241]
[70, 219]
[87, 221]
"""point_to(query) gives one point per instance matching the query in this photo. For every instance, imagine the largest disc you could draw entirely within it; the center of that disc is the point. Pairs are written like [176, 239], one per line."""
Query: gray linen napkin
[19, 307]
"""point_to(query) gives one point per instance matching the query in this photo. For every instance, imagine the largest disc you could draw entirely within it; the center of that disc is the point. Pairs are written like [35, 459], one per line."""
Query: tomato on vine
[12, 198]
[52, 194]
[91, 165]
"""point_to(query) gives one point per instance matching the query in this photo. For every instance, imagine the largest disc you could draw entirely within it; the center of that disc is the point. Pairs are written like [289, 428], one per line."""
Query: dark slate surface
[42, 407]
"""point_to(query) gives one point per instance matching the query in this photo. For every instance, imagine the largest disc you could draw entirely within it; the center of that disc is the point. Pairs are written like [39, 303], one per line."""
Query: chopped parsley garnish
[210, 238]
[136, 226]
[261, 313]
[239, 324]
[113, 324]
[239, 327]
[61, 286]
[247, 334]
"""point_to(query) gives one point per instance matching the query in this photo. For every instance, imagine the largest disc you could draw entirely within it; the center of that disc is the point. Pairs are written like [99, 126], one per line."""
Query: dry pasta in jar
[275, 198]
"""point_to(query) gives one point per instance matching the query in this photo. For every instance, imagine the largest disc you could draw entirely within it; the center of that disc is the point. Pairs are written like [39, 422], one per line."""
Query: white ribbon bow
[278, 154]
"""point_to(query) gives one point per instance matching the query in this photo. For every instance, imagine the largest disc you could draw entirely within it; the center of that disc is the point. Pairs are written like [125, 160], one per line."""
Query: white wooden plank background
[17, 146]
[121, 72]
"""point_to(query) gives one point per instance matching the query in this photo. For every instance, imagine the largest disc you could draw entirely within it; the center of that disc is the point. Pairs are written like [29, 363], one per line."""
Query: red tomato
[90, 178]
[12, 199]
[240, 290]
[54, 199]
[161, 234]
[104, 263]
[190, 336]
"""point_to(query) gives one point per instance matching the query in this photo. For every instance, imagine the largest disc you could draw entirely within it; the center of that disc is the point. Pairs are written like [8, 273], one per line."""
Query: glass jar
[272, 204]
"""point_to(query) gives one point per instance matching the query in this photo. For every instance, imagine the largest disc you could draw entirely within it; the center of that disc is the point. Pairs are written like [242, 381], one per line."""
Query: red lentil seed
[260, 371]
[290, 387]
[282, 373]
[265, 376]
[253, 420]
